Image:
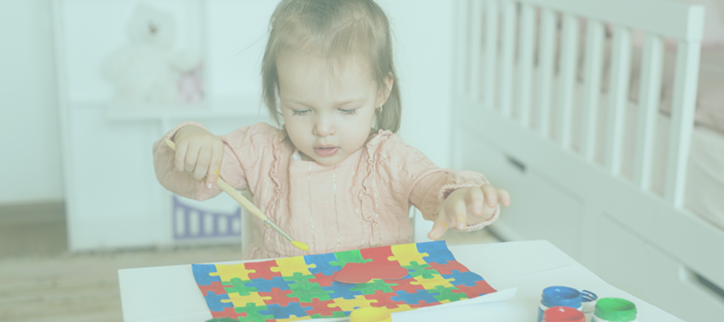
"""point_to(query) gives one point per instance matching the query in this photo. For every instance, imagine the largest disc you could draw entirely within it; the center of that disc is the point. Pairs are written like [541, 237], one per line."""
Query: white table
[170, 293]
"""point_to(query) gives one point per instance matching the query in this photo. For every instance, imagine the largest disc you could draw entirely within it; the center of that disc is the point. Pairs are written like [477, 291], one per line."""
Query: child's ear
[384, 93]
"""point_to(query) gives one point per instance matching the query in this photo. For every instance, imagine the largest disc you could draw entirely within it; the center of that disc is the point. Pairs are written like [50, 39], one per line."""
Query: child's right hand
[198, 152]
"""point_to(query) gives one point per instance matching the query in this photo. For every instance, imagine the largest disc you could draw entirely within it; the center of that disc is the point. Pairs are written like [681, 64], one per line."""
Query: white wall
[31, 158]
[30, 150]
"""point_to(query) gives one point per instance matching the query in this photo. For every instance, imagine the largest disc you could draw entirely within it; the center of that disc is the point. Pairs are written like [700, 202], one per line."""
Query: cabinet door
[539, 210]
[633, 265]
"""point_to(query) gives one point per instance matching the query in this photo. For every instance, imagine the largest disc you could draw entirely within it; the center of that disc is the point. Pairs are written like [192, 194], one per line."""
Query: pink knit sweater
[360, 202]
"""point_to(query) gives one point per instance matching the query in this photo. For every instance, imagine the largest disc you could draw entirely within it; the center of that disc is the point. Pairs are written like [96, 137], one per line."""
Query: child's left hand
[468, 206]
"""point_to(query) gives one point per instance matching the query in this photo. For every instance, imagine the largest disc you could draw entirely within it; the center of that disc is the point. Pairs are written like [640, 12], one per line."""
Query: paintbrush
[250, 206]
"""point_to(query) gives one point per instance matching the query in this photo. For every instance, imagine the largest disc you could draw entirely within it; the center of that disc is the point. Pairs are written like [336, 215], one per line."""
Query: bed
[582, 110]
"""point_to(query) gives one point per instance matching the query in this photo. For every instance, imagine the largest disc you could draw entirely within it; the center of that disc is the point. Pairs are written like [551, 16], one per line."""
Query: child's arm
[199, 155]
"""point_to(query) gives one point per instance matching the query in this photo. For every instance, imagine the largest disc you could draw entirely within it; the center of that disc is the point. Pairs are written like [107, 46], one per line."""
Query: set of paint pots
[566, 304]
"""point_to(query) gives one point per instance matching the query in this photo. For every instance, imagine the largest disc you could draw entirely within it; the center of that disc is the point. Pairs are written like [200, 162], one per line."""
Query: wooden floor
[40, 281]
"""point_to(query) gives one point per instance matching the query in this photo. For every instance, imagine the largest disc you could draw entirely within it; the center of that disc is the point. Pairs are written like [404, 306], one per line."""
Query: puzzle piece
[437, 252]
[463, 278]
[236, 285]
[277, 296]
[228, 312]
[350, 256]
[215, 287]
[374, 285]
[341, 290]
[348, 305]
[321, 308]
[383, 299]
[480, 288]
[284, 312]
[262, 269]
[323, 280]
[424, 270]
[214, 301]
[414, 299]
[225, 319]
[338, 314]
[252, 313]
[322, 264]
[446, 293]
[406, 253]
[227, 272]
[400, 308]
[449, 267]
[290, 266]
[406, 285]
[305, 291]
[294, 319]
[201, 274]
[240, 300]
[298, 278]
[378, 255]
[265, 285]
[431, 283]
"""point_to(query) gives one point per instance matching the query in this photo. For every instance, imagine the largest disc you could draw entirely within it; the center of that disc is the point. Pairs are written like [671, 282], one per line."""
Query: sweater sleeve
[416, 180]
[240, 153]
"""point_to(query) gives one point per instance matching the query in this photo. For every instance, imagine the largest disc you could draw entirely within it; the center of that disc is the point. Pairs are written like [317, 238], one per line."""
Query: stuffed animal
[148, 70]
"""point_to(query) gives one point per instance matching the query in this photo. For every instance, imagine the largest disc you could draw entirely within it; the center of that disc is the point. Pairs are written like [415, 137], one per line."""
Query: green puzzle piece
[239, 287]
[299, 278]
[335, 314]
[350, 256]
[416, 269]
[376, 285]
[304, 290]
[252, 313]
[446, 293]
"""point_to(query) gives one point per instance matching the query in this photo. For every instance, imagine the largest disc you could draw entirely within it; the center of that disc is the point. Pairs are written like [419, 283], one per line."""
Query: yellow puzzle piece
[290, 265]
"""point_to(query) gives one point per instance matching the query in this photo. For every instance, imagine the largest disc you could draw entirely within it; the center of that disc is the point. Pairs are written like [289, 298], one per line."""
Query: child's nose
[324, 127]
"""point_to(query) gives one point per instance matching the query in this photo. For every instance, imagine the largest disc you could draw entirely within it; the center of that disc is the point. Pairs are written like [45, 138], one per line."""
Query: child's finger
[459, 214]
[475, 199]
[192, 156]
[202, 165]
[504, 196]
[439, 227]
[216, 159]
[491, 195]
[180, 156]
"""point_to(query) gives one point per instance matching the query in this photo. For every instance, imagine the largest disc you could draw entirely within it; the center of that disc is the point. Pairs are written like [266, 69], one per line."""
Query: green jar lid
[615, 310]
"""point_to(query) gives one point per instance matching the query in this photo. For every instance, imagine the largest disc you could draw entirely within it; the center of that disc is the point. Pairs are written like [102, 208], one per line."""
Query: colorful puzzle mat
[303, 287]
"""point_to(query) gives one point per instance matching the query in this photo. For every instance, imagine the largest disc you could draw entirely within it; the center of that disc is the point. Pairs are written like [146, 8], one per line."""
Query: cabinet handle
[516, 163]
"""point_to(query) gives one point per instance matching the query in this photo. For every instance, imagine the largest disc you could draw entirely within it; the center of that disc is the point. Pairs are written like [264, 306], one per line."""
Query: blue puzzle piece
[285, 312]
[265, 285]
[437, 251]
[323, 262]
[415, 298]
[343, 290]
[201, 274]
[464, 278]
[214, 301]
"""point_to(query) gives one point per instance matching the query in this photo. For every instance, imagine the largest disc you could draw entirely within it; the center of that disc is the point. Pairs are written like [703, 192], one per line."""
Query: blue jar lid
[561, 296]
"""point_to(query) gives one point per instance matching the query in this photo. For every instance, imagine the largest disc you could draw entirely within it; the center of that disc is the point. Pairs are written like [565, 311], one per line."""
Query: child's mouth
[325, 152]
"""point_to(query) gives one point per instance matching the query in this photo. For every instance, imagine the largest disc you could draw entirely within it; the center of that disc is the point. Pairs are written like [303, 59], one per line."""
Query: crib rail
[509, 47]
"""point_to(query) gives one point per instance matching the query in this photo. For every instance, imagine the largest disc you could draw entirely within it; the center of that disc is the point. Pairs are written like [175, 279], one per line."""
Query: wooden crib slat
[682, 120]
[592, 86]
[491, 52]
[475, 43]
[617, 97]
[463, 48]
[649, 94]
[545, 67]
[507, 57]
[568, 63]
[525, 62]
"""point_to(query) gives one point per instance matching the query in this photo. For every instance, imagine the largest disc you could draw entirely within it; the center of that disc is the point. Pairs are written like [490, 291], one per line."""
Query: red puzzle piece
[357, 273]
[383, 299]
[262, 269]
[404, 285]
[480, 288]
[278, 297]
[449, 267]
[215, 287]
[321, 307]
[228, 312]
[378, 255]
[323, 280]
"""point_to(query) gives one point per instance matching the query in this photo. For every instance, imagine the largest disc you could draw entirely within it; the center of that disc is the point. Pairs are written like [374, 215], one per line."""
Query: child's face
[327, 115]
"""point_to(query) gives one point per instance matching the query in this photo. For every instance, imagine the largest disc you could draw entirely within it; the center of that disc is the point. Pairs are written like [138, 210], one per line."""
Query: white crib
[531, 126]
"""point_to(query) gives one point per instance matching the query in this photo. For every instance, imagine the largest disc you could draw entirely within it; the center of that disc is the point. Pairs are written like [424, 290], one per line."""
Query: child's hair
[333, 30]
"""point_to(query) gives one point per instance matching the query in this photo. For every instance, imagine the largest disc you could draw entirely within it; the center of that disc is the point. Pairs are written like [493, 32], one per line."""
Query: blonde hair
[333, 30]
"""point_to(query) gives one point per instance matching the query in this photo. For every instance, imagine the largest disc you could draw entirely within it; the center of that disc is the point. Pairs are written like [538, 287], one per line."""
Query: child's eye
[300, 112]
[348, 112]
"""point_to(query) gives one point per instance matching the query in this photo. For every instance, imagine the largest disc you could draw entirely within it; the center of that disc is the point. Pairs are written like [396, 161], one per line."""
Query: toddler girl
[334, 176]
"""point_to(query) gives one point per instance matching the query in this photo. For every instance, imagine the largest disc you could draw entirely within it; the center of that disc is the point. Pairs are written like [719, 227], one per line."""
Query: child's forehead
[306, 71]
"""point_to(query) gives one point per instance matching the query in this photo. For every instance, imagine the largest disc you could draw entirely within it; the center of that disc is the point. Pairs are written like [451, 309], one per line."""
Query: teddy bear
[147, 70]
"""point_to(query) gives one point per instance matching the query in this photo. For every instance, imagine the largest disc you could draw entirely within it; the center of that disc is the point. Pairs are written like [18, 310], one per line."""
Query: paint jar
[563, 314]
[611, 309]
[588, 303]
[559, 296]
